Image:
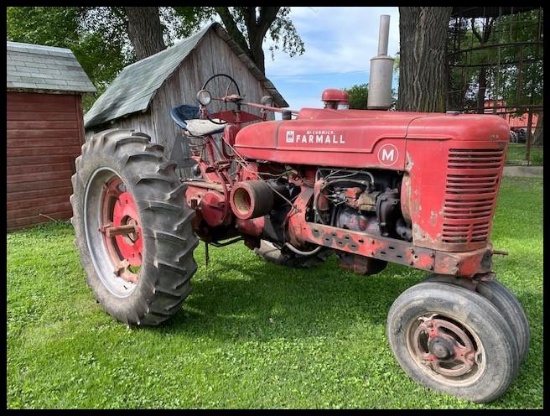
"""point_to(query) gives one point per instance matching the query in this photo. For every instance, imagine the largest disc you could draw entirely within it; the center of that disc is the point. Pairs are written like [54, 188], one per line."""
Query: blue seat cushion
[184, 112]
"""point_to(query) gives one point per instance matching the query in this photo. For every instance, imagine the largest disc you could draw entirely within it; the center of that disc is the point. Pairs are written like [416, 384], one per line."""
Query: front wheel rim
[445, 349]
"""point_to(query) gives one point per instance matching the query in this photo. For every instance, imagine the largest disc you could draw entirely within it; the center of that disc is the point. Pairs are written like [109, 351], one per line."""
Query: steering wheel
[228, 96]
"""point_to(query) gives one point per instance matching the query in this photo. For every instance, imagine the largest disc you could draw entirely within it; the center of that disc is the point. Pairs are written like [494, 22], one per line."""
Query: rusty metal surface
[466, 264]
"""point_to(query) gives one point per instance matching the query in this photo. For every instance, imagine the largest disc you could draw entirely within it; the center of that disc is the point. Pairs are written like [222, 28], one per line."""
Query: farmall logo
[388, 155]
[314, 137]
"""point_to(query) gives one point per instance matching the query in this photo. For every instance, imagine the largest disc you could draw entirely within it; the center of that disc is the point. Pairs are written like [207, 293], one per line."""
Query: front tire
[453, 340]
[133, 227]
[507, 304]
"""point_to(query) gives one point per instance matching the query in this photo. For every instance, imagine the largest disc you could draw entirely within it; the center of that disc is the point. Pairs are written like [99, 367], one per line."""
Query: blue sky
[339, 43]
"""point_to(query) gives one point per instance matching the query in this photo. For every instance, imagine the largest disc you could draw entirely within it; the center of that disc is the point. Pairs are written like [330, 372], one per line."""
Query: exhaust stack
[381, 71]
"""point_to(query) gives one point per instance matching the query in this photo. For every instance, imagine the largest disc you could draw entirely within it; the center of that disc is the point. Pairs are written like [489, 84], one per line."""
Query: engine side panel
[451, 165]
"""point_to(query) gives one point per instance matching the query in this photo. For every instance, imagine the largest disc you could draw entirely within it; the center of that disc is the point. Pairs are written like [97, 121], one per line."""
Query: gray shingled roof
[136, 85]
[44, 68]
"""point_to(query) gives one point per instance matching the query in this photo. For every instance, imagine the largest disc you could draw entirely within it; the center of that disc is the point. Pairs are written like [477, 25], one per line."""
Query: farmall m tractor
[366, 186]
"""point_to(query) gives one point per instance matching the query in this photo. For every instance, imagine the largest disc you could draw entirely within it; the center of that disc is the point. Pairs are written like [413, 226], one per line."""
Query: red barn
[44, 131]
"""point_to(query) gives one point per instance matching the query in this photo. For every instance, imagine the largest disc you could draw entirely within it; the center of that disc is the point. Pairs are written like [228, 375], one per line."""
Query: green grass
[251, 334]
[517, 155]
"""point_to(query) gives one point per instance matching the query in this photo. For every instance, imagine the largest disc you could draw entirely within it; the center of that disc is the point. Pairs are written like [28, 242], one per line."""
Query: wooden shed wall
[44, 136]
[212, 55]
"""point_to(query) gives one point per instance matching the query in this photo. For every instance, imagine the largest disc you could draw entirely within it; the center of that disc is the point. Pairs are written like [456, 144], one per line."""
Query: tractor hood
[359, 138]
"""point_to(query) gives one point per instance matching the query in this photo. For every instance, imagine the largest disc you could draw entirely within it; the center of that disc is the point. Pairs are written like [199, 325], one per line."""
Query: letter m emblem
[388, 155]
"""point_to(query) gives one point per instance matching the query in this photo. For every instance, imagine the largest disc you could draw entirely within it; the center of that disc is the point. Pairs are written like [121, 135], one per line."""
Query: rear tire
[453, 340]
[133, 227]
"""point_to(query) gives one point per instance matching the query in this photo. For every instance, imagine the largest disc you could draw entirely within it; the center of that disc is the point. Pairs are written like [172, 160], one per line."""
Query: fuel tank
[360, 138]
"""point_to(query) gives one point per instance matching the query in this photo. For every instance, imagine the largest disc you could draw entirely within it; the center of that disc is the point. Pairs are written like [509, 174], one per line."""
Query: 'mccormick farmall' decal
[314, 137]
[351, 142]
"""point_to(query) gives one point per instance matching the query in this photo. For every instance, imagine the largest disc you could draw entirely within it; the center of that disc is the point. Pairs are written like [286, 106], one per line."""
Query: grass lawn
[251, 334]
[516, 155]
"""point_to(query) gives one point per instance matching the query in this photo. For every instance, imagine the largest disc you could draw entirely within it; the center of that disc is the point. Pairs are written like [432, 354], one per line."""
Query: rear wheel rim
[113, 232]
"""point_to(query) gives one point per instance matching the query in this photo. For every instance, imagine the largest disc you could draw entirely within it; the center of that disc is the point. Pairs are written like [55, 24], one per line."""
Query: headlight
[267, 100]
[204, 97]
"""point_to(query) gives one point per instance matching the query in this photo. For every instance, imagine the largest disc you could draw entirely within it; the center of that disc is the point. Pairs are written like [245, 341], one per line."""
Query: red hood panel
[359, 138]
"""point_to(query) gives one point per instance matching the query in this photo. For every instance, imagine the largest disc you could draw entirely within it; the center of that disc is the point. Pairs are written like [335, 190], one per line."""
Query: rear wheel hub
[121, 228]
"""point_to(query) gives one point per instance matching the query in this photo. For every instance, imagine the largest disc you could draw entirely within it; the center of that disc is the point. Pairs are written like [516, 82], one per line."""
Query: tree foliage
[101, 53]
[248, 26]
[461, 71]
[500, 59]
[106, 39]
[359, 95]
[522, 57]
[497, 59]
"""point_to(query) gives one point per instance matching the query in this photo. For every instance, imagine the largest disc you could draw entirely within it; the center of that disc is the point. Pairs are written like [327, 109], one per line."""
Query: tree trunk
[256, 49]
[482, 87]
[145, 30]
[423, 35]
[537, 138]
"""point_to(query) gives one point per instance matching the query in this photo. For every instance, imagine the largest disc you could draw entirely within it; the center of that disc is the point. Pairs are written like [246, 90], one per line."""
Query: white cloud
[339, 43]
[337, 39]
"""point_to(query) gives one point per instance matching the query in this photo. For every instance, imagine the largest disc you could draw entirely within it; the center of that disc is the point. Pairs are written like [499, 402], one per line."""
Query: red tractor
[367, 186]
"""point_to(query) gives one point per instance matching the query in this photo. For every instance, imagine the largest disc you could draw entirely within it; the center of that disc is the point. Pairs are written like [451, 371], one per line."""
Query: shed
[143, 94]
[44, 131]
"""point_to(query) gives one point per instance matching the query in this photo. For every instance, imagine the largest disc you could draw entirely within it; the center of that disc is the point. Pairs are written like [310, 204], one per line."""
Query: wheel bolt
[120, 230]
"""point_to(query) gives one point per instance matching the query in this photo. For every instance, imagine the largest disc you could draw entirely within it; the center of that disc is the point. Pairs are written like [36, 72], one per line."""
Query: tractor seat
[187, 117]
[184, 112]
[198, 127]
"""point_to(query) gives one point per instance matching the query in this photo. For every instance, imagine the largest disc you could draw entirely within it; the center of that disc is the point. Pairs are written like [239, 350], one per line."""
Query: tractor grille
[471, 191]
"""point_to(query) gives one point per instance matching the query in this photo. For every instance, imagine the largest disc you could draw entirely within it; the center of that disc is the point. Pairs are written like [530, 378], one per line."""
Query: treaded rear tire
[164, 254]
